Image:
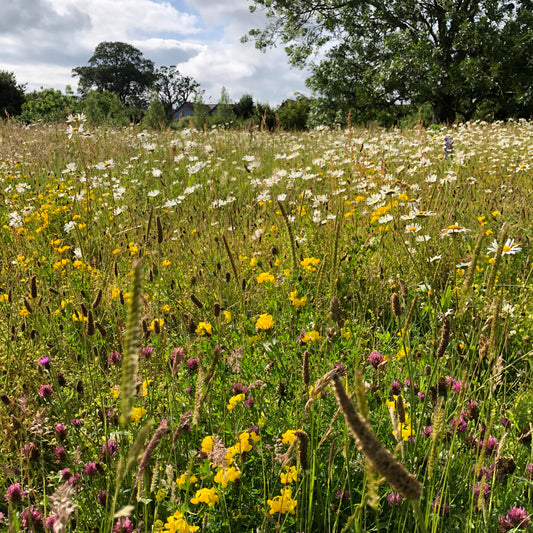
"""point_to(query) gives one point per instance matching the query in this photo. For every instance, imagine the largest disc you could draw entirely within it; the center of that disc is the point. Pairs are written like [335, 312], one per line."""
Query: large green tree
[119, 68]
[11, 94]
[463, 57]
[173, 88]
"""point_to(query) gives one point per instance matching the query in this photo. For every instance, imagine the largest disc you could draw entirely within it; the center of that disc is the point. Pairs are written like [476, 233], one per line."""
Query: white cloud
[42, 40]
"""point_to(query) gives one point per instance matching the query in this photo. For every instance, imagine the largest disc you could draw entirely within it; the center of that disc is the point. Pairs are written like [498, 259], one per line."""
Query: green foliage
[224, 114]
[463, 58]
[244, 108]
[119, 68]
[156, 116]
[11, 95]
[265, 116]
[201, 112]
[293, 113]
[269, 261]
[47, 105]
[105, 108]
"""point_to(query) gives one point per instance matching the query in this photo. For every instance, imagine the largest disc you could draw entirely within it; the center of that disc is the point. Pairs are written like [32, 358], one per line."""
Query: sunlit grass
[270, 264]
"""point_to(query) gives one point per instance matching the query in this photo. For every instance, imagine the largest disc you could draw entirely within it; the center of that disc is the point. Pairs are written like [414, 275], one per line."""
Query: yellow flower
[223, 476]
[207, 444]
[297, 302]
[310, 263]
[160, 322]
[137, 414]
[290, 475]
[205, 495]
[288, 437]
[4, 297]
[116, 251]
[177, 524]
[165, 308]
[186, 479]
[78, 317]
[166, 263]
[235, 400]
[204, 328]
[146, 384]
[253, 261]
[311, 336]
[24, 312]
[265, 322]
[133, 248]
[265, 277]
[227, 316]
[115, 391]
[115, 293]
[283, 503]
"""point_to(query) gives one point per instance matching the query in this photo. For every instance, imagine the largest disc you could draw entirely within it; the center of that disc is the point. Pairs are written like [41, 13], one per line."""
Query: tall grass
[195, 392]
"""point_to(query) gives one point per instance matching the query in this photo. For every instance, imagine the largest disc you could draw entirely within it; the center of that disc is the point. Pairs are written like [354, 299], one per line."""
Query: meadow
[238, 330]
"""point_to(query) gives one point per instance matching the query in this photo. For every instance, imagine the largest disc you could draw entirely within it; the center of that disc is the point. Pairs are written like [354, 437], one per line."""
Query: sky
[41, 41]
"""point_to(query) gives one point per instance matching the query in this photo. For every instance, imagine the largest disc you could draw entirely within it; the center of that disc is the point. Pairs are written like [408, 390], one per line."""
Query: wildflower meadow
[253, 331]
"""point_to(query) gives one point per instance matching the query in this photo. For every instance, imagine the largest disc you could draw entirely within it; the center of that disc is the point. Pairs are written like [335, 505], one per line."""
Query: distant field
[173, 306]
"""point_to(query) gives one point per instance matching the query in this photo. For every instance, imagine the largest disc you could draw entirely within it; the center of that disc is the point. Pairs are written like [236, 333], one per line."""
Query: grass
[190, 318]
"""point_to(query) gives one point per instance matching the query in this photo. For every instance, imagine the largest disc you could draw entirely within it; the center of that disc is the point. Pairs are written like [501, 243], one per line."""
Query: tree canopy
[119, 68]
[173, 88]
[11, 94]
[463, 57]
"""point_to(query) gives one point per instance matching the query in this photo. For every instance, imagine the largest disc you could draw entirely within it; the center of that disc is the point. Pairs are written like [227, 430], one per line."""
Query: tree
[379, 55]
[293, 113]
[105, 108]
[156, 117]
[173, 88]
[47, 105]
[11, 94]
[119, 68]
[244, 108]
[201, 111]
[224, 114]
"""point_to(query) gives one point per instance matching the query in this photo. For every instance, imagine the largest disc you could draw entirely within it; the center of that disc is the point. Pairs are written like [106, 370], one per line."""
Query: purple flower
[192, 363]
[90, 469]
[45, 361]
[14, 493]
[422, 396]
[343, 494]
[66, 474]
[460, 425]
[440, 506]
[395, 388]
[239, 388]
[32, 518]
[375, 359]
[477, 490]
[249, 402]
[50, 521]
[339, 367]
[76, 422]
[102, 498]
[60, 453]
[529, 471]
[472, 410]
[394, 499]
[457, 386]
[123, 525]
[45, 391]
[31, 451]
[516, 517]
[113, 358]
[426, 432]
[147, 351]
[61, 432]
[109, 450]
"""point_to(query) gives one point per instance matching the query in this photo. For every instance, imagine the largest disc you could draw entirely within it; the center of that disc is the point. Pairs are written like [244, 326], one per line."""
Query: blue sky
[42, 40]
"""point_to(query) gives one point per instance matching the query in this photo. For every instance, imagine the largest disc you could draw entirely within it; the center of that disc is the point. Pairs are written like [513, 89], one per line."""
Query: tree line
[119, 86]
